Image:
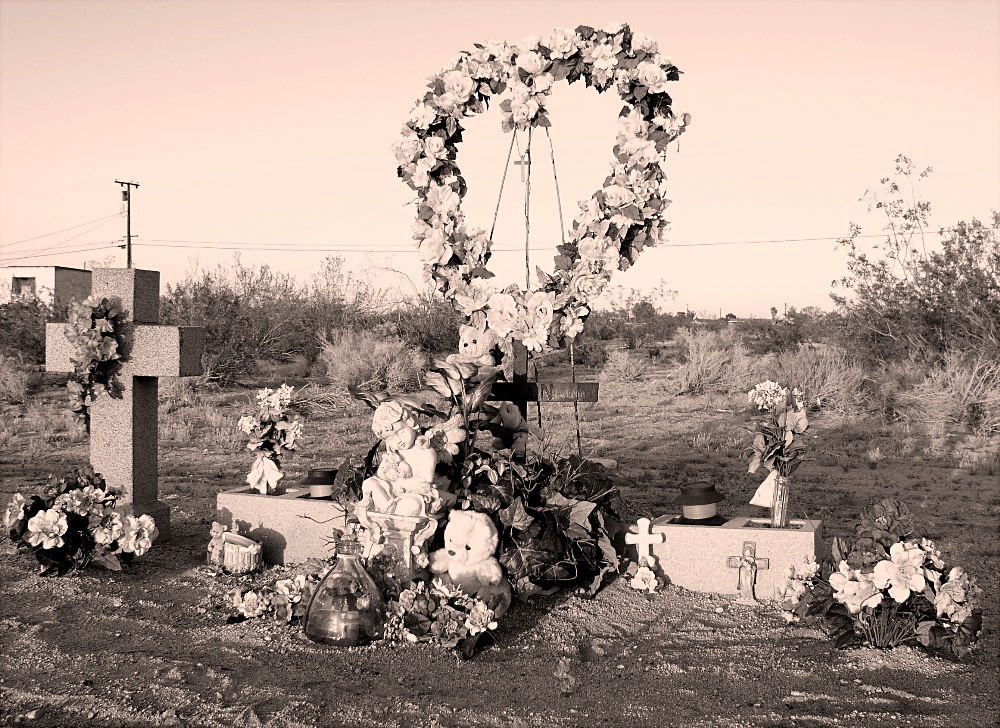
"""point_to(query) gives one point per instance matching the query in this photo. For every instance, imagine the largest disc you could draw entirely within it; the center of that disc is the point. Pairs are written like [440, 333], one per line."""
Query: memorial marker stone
[124, 438]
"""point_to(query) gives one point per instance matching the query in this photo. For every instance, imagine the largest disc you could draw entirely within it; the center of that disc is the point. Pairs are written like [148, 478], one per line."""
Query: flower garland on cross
[613, 226]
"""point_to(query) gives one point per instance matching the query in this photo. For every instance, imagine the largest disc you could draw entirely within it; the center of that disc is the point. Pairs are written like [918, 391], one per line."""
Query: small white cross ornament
[524, 163]
[643, 540]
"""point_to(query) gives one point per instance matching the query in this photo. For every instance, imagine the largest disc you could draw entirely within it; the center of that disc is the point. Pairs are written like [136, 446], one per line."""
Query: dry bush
[15, 381]
[177, 429]
[361, 359]
[830, 378]
[715, 362]
[963, 389]
[622, 366]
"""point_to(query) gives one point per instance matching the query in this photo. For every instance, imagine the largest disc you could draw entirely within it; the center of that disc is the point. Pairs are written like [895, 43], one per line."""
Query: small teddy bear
[474, 347]
[517, 433]
[217, 544]
[470, 539]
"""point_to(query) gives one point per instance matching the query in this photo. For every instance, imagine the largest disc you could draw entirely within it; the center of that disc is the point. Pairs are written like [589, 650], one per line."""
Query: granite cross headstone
[124, 437]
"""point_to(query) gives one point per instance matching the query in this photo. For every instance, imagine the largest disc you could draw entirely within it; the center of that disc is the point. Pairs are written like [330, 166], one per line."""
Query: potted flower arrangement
[886, 588]
[72, 522]
[272, 435]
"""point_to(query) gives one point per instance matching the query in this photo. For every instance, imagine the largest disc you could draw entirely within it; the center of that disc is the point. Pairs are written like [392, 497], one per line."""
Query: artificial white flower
[46, 529]
[15, 510]
[902, 572]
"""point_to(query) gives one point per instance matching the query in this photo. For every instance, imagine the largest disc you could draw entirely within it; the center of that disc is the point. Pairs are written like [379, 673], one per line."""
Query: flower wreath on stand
[613, 226]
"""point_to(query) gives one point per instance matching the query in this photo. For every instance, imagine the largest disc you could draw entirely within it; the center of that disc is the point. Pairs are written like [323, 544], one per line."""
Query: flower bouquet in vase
[777, 446]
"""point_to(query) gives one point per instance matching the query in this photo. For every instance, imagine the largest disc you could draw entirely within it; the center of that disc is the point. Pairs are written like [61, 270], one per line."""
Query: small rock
[169, 713]
[33, 715]
[720, 610]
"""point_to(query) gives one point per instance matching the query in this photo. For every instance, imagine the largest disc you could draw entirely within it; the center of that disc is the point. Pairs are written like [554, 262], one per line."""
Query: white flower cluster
[614, 224]
[767, 396]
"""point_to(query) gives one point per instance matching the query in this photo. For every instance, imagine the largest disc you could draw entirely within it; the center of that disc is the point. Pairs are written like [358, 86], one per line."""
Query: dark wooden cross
[124, 441]
[746, 580]
[521, 391]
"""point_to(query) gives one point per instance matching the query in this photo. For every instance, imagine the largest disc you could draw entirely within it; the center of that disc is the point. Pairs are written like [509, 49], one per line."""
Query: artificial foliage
[72, 523]
[272, 435]
[95, 331]
[886, 587]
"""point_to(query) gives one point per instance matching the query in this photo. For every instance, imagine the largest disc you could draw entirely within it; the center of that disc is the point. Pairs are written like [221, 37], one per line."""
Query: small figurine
[217, 545]
[747, 576]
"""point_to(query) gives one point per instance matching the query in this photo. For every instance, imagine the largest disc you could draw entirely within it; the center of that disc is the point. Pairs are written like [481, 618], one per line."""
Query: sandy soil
[151, 646]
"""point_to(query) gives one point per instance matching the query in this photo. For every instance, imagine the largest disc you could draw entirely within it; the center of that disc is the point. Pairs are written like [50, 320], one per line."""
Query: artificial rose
[46, 529]
[434, 147]
[472, 297]
[502, 314]
[459, 84]
[642, 42]
[74, 501]
[902, 572]
[420, 172]
[540, 308]
[531, 63]
[562, 43]
[588, 286]
[633, 125]
[617, 196]
[652, 77]
[406, 148]
[15, 510]
[523, 108]
[480, 618]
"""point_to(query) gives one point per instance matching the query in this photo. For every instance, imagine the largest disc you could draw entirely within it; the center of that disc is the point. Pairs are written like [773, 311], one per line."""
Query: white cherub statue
[404, 484]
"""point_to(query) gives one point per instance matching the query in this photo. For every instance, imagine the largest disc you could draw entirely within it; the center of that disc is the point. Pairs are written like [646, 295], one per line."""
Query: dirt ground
[151, 645]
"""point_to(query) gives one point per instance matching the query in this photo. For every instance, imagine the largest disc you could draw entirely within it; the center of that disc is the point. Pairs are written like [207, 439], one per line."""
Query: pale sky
[266, 127]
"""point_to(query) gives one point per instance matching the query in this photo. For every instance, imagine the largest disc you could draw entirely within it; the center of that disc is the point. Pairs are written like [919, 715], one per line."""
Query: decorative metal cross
[124, 441]
[748, 564]
[644, 540]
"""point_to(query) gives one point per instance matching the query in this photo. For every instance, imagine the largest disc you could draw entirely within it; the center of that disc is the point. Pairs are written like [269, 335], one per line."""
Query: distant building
[52, 284]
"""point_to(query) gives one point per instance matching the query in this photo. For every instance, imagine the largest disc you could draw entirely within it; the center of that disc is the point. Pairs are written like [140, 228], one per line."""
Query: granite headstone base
[699, 557]
[292, 527]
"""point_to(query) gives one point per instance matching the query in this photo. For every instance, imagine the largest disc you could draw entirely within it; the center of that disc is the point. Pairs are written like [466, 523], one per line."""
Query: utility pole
[127, 197]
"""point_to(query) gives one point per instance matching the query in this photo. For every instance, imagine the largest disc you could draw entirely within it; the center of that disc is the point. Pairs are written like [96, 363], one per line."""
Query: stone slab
[137, 291]
[292, 527]
[696, 557]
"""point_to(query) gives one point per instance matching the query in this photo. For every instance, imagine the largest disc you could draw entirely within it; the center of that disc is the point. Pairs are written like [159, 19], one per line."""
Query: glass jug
[346, 609]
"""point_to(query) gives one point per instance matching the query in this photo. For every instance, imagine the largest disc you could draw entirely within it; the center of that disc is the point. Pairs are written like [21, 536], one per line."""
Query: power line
[24, 253]
[101, 246]
[39, 237]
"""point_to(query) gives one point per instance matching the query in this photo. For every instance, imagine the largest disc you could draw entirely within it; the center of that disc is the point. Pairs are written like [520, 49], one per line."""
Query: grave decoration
[271, 436]
[232, 553]
[777, 445]
[72, 523]
[123, 428]
[614, 225]
[699, 502]
[94, 330]
[886, 587]
[644, 573]
[556, 518]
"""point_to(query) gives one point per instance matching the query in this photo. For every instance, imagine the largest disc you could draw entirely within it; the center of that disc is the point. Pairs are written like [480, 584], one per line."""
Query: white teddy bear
[470, 539]
[474, 347]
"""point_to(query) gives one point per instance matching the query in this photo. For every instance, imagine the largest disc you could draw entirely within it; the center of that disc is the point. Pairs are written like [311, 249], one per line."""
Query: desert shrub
[830, 378]
[589, 351]
[362, 359]
[715, 361]
[962, 389]
[429, 323]
[909, 295]
[623, 366]
[23, 325]
[761, 336]
[15, 380]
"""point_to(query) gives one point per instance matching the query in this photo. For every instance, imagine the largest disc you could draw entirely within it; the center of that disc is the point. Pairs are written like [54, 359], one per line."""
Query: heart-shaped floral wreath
[612, 227]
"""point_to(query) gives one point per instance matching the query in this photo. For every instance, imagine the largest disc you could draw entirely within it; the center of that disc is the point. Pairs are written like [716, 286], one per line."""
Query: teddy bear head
[470, 537]
[475, 343]
[218, 529]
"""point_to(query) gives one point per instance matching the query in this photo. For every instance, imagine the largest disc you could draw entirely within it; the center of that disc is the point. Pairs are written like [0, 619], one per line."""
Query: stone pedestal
[706, 558]
[405, 535]
[292, 527]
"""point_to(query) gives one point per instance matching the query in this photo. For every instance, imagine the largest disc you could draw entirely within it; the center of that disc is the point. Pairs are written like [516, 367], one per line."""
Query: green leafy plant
[284, 600]
[441, 614]
[94, 330]
[72, 523]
